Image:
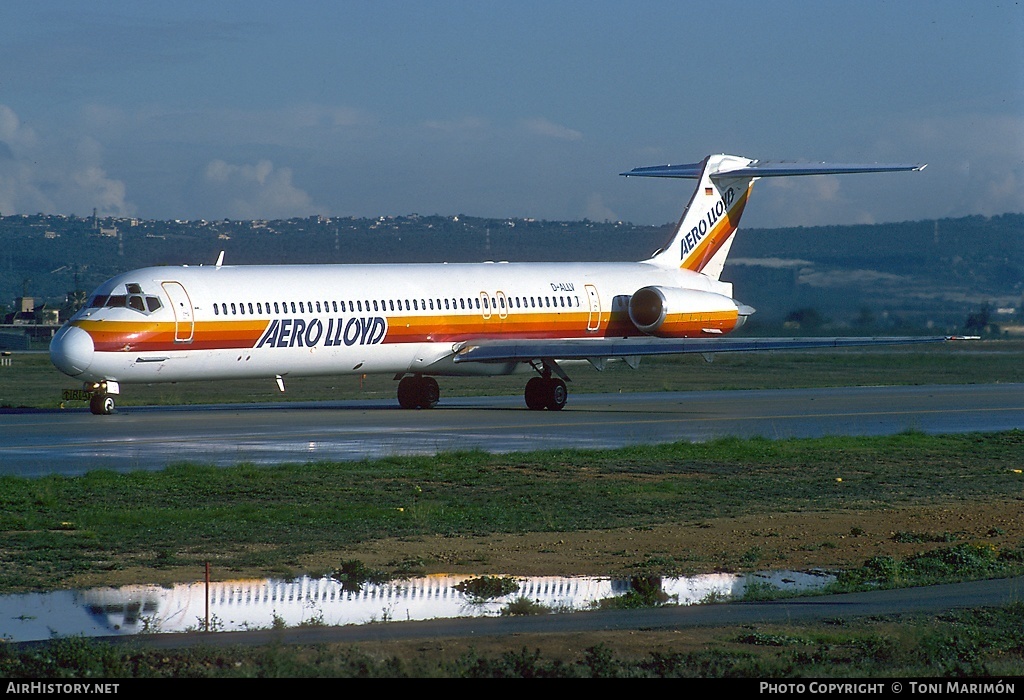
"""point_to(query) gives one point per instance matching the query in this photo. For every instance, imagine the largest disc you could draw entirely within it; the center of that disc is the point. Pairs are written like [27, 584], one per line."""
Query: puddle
[269, 603]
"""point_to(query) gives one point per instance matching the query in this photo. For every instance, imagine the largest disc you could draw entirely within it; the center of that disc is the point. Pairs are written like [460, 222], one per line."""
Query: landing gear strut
[546, 391]
[418, 392]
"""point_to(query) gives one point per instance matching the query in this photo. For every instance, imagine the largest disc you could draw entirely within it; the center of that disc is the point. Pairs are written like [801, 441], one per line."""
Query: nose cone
[71, 350]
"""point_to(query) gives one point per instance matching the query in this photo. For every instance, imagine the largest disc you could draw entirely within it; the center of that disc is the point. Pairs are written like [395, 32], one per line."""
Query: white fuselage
[300, 320]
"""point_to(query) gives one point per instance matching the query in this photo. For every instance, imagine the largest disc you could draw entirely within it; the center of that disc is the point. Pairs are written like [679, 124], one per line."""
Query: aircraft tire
[429, 392]
[408, 393]
[557, 394]
[101, 404]
[536, 394]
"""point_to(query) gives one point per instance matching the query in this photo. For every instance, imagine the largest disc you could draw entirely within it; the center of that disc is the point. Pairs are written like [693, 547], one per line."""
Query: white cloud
[543, 127]
[258, 191]
[45, 174]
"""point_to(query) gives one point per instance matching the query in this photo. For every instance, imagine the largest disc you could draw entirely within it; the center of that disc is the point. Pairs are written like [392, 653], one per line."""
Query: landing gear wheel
[536, 398]
[101, 404]
[418, 392]
[430, 392]
[557, 394]
[407, 393]
[547, 392]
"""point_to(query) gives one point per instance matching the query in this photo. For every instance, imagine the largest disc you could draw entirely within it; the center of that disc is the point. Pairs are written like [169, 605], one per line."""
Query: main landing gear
[546, 392]
[418, 392]
[541, 392]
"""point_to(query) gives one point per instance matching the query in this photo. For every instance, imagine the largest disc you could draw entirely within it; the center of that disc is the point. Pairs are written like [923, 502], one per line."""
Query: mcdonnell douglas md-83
[418, 321]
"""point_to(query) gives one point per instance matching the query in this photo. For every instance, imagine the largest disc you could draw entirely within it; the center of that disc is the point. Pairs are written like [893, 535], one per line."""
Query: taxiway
[140, 438]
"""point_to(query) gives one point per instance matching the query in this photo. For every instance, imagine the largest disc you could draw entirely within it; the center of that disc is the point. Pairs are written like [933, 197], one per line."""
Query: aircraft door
[485, 305]
[184, 320]
[594, 318]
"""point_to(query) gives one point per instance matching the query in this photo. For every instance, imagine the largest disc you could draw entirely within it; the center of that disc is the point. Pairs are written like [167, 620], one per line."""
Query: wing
[597, 348]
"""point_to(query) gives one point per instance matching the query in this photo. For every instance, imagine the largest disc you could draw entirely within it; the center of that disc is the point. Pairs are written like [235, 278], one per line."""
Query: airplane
[421, 321]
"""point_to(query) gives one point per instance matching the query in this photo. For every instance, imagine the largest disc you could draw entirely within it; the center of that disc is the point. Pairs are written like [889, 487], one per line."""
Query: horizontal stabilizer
[769, 168]
[588, 348]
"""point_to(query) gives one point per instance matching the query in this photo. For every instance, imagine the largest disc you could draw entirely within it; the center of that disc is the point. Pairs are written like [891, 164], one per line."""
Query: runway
[145, 438]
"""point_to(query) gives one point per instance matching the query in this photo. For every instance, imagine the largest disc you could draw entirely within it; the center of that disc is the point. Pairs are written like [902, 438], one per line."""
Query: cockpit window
[135, 299]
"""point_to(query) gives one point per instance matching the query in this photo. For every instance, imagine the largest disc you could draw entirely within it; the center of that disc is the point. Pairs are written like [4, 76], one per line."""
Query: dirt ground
[794, 541]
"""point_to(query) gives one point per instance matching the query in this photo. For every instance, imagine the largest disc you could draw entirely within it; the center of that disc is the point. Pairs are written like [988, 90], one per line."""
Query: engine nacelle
[674, 312]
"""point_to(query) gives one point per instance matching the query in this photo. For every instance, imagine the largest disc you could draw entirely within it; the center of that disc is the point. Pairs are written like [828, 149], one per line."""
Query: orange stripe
[723, 230]
[145, 336]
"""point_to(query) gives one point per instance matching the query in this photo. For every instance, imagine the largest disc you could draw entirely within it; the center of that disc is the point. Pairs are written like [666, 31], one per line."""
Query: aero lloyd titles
[299, 332]
[704, 226]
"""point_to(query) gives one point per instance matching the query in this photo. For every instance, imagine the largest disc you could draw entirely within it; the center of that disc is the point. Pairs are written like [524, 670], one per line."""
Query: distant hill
[885, 275]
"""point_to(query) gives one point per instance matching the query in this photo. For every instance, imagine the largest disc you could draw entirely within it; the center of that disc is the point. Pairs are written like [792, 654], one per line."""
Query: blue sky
[505, 109]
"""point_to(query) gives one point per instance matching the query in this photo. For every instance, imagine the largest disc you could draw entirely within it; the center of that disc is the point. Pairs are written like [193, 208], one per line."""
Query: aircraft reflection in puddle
[267, 603]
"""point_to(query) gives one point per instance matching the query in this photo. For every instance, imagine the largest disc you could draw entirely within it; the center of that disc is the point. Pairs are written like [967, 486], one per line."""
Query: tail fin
[704, 234]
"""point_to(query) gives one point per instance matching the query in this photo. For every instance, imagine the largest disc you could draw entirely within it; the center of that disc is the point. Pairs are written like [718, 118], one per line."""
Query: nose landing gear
[101, 404]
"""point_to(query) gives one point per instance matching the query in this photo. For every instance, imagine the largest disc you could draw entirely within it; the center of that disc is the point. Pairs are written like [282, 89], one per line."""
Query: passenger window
[276, 308]
[232, 308]
[250, 307]
[216, 310]
[391, 304]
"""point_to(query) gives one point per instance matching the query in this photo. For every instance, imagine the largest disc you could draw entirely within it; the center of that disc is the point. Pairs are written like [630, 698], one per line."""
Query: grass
[265, 519]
